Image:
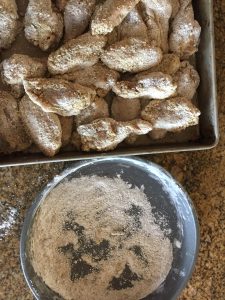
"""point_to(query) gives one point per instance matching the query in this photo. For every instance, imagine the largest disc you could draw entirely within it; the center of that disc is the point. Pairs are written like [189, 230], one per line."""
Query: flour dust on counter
[97, 238]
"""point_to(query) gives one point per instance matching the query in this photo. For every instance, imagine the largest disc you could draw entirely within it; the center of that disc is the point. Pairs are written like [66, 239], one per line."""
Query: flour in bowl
[96, 238]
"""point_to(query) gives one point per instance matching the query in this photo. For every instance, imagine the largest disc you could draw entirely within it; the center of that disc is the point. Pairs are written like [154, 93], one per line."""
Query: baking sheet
[199, 137]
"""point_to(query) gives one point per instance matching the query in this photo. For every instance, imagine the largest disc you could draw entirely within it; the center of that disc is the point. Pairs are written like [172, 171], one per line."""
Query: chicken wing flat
[170, 64]
[157, 14]
[76, 54]
[174, 114]
[110, 14]
[43, 24]
[8, 23]
[98, 76]
[12, 131]
[184, 38]
[152, 86]
[44, 128]
[67, 128]
[131, 55]
[97, 110]
[59, 96]
[133, 26]
[125, 109]
[187, 80]
[106, 134]
[19, 67]
[77, 15]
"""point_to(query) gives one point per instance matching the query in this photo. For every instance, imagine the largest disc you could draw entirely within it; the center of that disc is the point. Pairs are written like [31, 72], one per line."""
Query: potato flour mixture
[96, 238]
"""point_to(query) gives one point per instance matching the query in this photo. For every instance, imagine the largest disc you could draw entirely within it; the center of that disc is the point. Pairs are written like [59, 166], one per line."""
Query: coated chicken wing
[77, 15]
[43, 24]
[76, 54]
[98, 76]
[175, 7]
[19, 67]
[67, 128]
[59, 96]
[133, 26]
[44, 128]
[170, 64]
[125, 109]
[98, 109]
[187, 80]
[174, 114]
[153, 86]
[184, 38]
[12, 131]
[131, 55]
[106, 134]
[110, 14]
[157, 14]
[8, 23]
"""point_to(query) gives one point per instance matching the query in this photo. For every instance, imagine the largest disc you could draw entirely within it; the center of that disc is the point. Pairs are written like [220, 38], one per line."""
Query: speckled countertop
[201, 173]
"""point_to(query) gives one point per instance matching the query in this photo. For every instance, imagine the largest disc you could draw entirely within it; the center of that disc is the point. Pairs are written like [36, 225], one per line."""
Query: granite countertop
[201, 173]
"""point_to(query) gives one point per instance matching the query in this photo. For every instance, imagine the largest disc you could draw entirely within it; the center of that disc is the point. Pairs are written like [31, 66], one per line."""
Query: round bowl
[168, 200]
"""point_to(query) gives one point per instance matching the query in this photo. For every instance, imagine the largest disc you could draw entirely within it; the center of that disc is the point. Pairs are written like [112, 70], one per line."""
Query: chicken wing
[110, 14]
[170, 64]
[59, 96]
[44, 128]
[106, 134]
[8, 23]
[131, 55]
[12, 131]
[133, 26]
[153, 86]
[98, 109]
[187, 80]
[77, 15]
[184, 38]
[175, 7]
[125, 109]
[19, 67]
[43, 24]
[98, 76]
[76, 54]
[67, 128]
[157, 14]
[174, 114]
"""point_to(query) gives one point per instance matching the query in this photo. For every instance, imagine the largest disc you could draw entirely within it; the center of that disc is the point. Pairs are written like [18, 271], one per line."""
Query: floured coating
[131, 55]
[59, 96]
[44, 128]
[76, 54]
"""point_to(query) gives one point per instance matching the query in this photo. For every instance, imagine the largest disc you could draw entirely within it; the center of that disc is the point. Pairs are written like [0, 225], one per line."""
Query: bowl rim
[74, 167]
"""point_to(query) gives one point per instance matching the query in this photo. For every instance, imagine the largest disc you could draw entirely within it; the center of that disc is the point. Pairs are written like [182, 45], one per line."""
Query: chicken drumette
[170, 64]
[125, 109]
[59, 96]
[157, 14]
[43, 24]
[98, 76]
[110, 14]
[152, 86]
[133, 26]
[184, 38]
[131, 55]
[174, 114]
[12, 132]
[19, 67]
[187, 80]
[106, 134]
[44, 128]
[98, 109]
[77, 54]
[77, 15]
[8, 23]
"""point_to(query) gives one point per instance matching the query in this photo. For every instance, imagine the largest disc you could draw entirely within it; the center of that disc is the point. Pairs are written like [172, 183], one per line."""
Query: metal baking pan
[204, 137]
